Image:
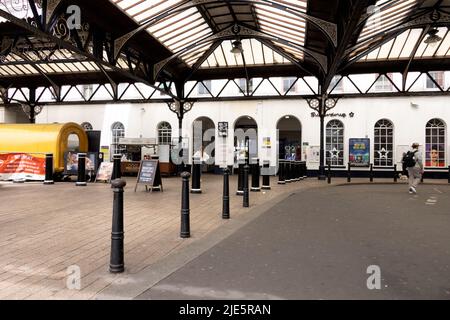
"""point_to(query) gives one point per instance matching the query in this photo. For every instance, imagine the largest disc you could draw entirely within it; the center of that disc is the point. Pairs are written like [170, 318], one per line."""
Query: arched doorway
[290, 138]
[245, 126]
[203, 141]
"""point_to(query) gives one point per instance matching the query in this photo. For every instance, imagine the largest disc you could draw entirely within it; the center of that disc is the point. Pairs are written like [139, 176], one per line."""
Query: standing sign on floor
[149, 175]
[105, 172]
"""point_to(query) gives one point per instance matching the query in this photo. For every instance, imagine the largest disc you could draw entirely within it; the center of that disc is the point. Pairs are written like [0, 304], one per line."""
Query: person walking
[414, 164]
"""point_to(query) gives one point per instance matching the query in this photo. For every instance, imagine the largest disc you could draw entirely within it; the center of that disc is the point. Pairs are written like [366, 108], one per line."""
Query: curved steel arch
[328, 28]
[244, 33]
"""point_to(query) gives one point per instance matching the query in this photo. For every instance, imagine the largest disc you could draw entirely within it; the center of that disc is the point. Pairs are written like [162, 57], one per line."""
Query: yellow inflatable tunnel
[39, 139]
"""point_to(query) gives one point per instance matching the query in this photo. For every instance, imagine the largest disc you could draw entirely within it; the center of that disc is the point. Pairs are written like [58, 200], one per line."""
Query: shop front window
[384, 143]
[118, 131]
[164, 133]
[335, 143]
[435, 144]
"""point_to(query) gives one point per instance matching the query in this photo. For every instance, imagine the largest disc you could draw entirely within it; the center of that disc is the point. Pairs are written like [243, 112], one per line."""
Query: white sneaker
[413, 190]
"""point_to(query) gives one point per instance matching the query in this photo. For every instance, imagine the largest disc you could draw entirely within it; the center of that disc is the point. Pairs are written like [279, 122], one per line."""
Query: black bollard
[395, 173]
[196, 175]
[49, 169]
[117, 263]
[329, 173]
[349, 173]
[295, 176]
[256, 174]
[371, 173]
[448, 174]
[226, 194]
[266, 176]
[288, 172]
[117, 172]
[185, 211]
[305, 170]
[240, 189]
[246, 202]
[281, 172]
[81, 182]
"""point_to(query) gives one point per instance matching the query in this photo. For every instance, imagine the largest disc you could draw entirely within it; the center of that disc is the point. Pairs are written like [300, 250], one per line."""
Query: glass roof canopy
[180, 29]
[254, 53]
[390, 14]
[385, 15]
[174, 31]
[55, 62]
[402, 47]
[284, 24]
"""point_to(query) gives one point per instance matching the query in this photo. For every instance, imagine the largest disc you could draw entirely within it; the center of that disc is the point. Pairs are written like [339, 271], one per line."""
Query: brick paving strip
[46, 229]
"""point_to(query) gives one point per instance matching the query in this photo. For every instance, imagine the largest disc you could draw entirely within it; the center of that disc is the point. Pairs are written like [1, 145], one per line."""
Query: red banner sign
[19, 166]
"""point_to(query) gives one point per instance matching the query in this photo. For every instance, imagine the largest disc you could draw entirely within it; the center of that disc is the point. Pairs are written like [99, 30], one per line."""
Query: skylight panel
[175, 31]
[387, 17]
[284, 24]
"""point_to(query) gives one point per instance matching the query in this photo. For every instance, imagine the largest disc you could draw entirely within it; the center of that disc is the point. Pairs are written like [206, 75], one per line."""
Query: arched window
[164, 133]
[118, 131]
[335, 143]
[435, 143]
[384, 143]
[87, 126]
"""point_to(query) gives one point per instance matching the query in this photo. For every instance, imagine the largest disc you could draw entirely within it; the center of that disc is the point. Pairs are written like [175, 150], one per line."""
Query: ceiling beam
[66, 45]
[349, 29]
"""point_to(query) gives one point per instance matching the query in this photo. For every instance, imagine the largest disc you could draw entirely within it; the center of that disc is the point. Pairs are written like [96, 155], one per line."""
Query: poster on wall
[434, 155]
[313, 154]
[267, 143]
[305, 147]
[359, 154]
[71, 162]
[21, 167]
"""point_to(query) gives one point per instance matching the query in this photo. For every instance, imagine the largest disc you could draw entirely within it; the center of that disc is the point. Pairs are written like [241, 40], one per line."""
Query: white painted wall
[409, 115]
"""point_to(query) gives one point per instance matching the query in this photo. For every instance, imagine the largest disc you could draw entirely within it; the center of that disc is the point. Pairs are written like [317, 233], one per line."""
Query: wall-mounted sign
[359, 154]
[334, 115]
[223, 129]
[267, 143]
[313, 154]
[137, 141]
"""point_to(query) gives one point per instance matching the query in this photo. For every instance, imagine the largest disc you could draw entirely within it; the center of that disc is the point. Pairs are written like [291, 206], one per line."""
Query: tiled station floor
[44, 230]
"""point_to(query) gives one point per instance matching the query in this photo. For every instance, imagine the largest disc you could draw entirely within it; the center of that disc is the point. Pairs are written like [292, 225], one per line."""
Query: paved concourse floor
[319, 245]
[46, 230]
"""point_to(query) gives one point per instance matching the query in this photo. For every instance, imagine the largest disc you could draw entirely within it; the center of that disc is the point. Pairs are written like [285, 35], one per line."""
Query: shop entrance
[244, 127]
[203, 136]
[290, 138]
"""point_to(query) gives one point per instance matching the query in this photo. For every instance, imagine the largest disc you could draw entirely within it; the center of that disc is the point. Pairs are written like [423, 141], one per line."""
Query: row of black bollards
[291, 171]
[81, 172]
[371, 173]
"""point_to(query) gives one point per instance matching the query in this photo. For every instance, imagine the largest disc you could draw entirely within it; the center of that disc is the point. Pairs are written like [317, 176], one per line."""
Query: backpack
[409, 159]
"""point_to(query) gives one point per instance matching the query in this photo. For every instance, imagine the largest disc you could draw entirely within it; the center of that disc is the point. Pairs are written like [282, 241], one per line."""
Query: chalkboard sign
[149, 175]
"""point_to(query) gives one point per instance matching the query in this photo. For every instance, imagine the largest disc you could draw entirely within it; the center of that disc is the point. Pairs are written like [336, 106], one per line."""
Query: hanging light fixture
[237, 48]
[433, 39]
